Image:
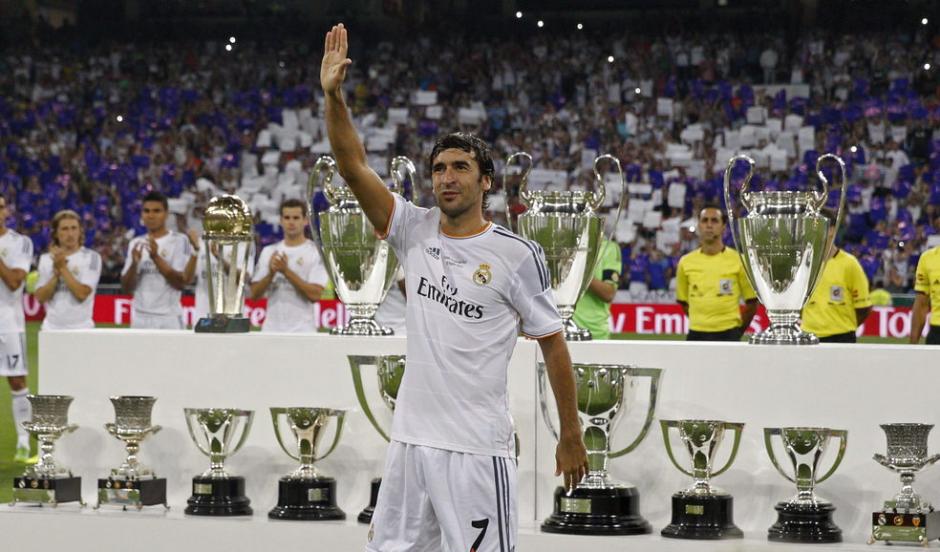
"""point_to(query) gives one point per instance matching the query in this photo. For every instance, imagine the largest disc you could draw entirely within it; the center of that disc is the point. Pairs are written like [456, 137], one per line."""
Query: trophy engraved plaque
[48, 482]
[218, 433]
[132, 484]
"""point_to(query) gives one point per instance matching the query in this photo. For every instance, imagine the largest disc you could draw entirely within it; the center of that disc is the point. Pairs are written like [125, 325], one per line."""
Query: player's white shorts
[431, 495]
[141, 321]
[13, 354]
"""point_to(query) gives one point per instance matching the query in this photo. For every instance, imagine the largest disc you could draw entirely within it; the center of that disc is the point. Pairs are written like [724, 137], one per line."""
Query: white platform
[852, 387]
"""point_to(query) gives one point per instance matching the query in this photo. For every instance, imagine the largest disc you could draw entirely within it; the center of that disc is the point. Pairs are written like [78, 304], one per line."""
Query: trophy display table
[851, 387]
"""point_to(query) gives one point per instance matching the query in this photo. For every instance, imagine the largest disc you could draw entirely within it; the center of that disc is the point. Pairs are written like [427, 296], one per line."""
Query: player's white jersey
[16, 251]
[63, 310]
[153, 294]
[288, 310]
[468, 298]
[201, 307]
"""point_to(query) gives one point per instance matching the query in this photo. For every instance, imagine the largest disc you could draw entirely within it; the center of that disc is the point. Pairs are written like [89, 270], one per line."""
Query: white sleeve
[404, 214]
[91, 276]
[530, 293]
[129, 257]
[22, 258]
[262, 268]
[317, 274]
[181, 254]
[45, 270]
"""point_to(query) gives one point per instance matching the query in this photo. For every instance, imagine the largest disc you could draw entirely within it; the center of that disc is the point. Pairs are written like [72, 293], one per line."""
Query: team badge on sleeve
[482, 276]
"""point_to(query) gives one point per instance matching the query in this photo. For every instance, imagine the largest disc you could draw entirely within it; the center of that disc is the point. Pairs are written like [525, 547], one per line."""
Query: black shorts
[734, 334]
[933, 336]
[847, 337]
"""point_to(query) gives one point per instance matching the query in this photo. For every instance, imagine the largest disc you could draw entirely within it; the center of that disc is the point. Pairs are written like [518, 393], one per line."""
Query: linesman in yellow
[927, 297]
[593, 309]
[710, 284]
[840, 303]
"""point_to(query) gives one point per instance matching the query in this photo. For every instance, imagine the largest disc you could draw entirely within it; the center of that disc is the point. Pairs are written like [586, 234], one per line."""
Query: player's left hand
[571, 460]
[58, 258]
[152, 248]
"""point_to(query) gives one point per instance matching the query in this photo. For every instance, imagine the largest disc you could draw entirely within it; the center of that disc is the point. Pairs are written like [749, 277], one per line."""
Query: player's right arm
[263, 275]
[374, 198]
[682, 288]
[48, 280]
[132, 261]
[919, 316]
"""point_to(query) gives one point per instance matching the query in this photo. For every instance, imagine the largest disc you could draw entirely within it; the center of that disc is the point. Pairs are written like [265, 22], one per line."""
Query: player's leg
[404, 520]
[474, 497]
[13, 366]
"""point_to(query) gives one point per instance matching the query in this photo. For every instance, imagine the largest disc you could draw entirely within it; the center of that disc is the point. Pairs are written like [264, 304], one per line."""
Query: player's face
[293, 221]
[710, 225]
[69, 233]
[458, 184]
[153, 215]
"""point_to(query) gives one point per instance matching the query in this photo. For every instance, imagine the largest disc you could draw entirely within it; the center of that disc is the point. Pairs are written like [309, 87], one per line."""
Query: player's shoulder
[512, 246]
[932, 254]
[270, 248]
[89, 253]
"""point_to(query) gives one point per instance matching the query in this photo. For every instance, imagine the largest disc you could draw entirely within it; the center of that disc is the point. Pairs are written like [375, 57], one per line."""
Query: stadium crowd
[94, 130]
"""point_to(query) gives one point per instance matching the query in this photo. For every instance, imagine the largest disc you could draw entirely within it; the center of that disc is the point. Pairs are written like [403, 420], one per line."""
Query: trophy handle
[543, 400]
[768, 444]
[930, 461]
[326, 165]
[355, 362]
[600, 185]
[524, 192]
[399, 165]
[340, 418]
[654, 374]
[249, 417]
[276, 413]
[155, 429]
[744, 194]
[665, 425]
[842, 435]
[737, 428]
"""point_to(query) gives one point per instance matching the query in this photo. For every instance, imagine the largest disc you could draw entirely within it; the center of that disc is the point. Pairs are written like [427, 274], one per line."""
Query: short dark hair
[724, 215]
[469, 143]
[292, 202]
[154, 195]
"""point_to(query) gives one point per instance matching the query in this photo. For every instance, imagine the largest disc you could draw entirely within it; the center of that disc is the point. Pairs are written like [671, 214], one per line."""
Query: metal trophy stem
[218, 433]
[48, 482]
[598, 505]
[784, 243]
[132, 484]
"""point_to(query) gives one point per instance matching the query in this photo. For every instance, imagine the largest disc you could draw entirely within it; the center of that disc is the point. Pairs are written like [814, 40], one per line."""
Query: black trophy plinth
[804, 523]
[223, 324]
[702, 517]
[612, 511]
[132, 492]
[47, 490]
[365, 516]
[218, 497]
[312, 500]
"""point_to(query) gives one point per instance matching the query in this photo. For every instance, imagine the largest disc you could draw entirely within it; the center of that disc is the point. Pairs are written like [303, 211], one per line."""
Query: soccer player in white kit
[291, 273]
[472, 287]
[16, 256]
[154, 269]
[68, 276]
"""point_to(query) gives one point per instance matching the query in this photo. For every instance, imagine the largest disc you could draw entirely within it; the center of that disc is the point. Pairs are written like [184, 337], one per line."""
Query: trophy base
[362, 327]
[312, 499]
[43, 490]
[804, 523]
[702, 517]
[573, 332]
[916, 527]
[135, 493]
[365, 516]
[223, 324]
[612, 511]
[218, 497]
[784, 335]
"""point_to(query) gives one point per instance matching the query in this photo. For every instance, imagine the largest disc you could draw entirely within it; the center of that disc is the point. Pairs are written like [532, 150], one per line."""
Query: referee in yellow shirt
[927, 297]
[710, 283]
[840, 303]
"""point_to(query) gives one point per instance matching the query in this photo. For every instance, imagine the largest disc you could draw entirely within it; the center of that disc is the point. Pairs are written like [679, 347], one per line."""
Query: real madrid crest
[300, 261]
[482, 276]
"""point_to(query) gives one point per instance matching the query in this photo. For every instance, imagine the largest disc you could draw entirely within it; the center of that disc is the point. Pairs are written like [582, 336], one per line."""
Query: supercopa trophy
[784, 242]
[567, 226]
[390, 370]
[702, 511]
[598, 505]
[805, 518]
[305, 494]
[48, 482]
[361, 265]
[132, 484]
[218, 433]
[906, 518]
[228, 235]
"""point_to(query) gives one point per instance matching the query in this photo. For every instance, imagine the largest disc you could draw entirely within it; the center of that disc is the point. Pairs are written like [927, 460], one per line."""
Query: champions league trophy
[228, 235]
[390, 370]
[906, 518]
[215, 492]
[566, 225]
[702, 511]
[784, 242]
[48, 482]
[304, 493]
[362, 266]
[598, 505]
[805, 517]
[132, 484]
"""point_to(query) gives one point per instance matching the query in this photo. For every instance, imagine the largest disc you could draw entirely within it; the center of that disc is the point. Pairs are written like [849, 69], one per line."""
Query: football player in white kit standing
[68, 276]
[154, 269]
[472, 287]
[16, 256]
[291, 273]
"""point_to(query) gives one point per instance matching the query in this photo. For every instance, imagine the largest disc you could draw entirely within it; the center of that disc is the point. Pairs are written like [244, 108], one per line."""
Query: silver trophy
[361, 265]
[228, 235]
[784, 243]
[133, 483]
[305, 493]
[805, 517]
[567, 226]
[600, 505]
[908, 517]
[218, 433]
[48, 482]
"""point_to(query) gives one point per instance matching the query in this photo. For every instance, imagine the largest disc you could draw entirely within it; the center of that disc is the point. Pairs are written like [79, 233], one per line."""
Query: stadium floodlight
[580, 26]
[926, 67]
[119, 118]
[540, 23]
[637, 90]
[518, 15]
[228, 47]
[231, 39]
[853, 149]
[610, 59]
[924, 21]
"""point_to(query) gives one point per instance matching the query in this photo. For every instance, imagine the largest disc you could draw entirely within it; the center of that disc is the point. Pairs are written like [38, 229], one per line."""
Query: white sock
[21, 413]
